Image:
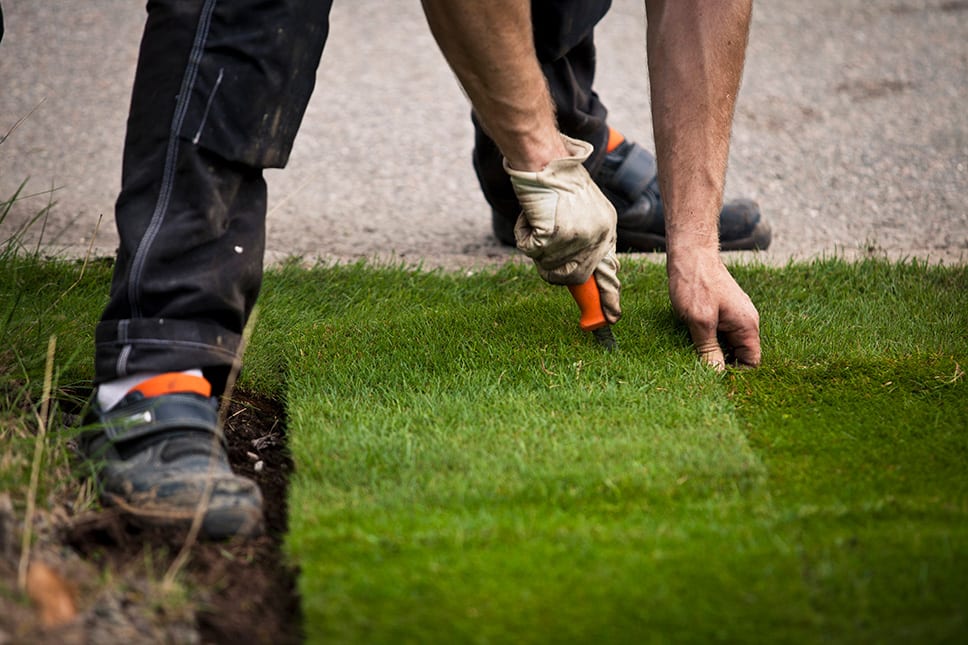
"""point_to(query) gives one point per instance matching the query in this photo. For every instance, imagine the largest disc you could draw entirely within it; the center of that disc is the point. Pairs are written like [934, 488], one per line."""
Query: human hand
[709, 301]
[566, 226]
[609, 287]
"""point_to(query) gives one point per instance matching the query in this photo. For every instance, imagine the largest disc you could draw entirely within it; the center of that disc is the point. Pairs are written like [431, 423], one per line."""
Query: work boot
[157, 458]
[628, 178]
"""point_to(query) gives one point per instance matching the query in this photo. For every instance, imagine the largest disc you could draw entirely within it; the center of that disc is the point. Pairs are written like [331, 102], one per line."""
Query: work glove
[567, 226]
[609, 288]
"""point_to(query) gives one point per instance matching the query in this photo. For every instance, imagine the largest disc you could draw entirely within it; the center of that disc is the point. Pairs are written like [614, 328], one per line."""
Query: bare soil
[230, 592]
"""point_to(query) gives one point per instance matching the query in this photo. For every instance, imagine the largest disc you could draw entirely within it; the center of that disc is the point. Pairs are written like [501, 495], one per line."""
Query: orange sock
[171, 382]
[615, 139]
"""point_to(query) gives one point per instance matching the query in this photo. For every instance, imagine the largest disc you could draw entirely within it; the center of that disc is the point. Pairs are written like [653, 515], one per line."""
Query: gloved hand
[609, 288]
[566, 226]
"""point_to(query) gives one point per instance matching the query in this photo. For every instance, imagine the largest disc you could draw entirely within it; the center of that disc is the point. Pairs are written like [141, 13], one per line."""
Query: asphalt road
[851, 130]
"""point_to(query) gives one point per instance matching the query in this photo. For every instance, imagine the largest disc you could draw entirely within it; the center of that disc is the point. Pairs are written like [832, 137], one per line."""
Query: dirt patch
[239, 591]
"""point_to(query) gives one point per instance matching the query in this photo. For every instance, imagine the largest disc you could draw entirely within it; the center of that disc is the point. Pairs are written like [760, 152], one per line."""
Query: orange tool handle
[590, 303]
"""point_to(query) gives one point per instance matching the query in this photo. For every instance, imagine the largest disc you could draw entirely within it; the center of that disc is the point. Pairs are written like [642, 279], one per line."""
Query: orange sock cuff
[615, 139]
[171, 382]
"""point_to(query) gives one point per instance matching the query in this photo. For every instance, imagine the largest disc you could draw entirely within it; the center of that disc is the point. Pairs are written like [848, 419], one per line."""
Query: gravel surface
[851, 130]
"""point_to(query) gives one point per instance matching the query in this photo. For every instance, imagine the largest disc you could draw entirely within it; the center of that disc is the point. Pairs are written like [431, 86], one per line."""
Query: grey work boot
[158, 458]
[628, 178]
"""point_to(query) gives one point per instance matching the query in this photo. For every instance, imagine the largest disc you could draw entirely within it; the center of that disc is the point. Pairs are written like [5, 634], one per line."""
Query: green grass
[40, 299]
[471, 468]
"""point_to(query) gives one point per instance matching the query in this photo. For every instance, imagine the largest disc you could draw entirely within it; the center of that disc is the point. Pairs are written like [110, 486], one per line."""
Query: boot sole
[227, 515]
[226, 520]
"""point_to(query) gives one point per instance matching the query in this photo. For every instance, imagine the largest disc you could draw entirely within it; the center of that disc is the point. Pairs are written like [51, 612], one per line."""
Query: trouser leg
[219, 93]
[564, 41]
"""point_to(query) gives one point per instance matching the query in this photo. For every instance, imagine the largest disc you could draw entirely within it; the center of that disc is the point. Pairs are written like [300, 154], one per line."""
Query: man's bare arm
[567, 226]
[696, 51]
[490, 47]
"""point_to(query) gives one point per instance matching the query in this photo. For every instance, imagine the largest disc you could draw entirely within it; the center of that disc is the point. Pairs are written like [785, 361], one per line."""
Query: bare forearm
[490, 47]
[696, 52]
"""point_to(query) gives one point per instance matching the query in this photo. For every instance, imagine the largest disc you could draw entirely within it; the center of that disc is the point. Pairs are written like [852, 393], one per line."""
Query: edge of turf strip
[474, 471]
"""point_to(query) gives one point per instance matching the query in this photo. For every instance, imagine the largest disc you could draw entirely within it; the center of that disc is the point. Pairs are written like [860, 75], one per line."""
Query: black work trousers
[220, 91]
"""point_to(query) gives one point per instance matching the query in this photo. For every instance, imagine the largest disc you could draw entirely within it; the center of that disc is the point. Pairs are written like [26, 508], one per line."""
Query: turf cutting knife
[592, 317]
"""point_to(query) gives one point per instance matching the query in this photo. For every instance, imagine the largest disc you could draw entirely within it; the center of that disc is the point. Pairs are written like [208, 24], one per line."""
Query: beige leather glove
[566, 224]
[609, 288]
